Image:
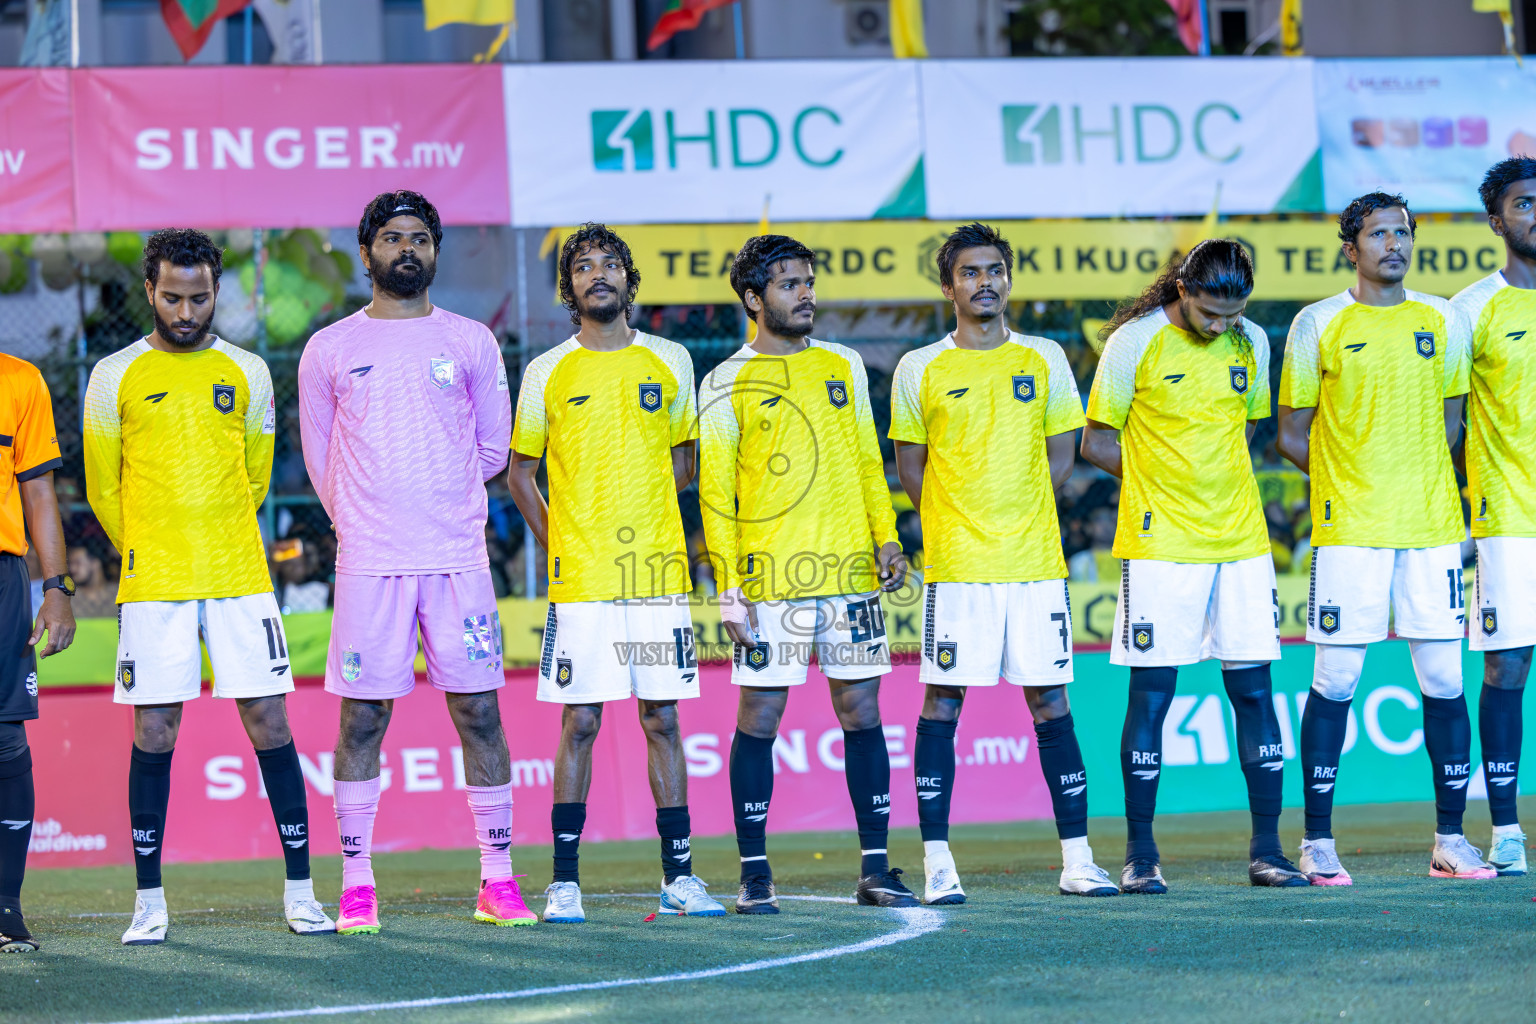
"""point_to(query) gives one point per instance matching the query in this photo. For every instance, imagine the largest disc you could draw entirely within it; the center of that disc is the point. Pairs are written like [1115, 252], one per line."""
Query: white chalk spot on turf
[915, 922]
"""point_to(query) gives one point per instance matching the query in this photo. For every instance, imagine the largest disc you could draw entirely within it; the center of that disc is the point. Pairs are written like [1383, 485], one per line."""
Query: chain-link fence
[66, 311]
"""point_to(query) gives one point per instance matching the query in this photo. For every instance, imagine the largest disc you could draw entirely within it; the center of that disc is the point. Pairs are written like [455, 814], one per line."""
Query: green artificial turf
[1398, 946]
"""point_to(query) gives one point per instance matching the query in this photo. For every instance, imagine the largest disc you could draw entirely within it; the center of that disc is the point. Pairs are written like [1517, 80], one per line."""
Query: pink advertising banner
[35, 152]
[286, 146]
[218, 811]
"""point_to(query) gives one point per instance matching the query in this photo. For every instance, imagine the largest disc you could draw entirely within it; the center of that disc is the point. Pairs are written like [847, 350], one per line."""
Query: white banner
[710, 141]
[1110, 138]
[1428, 129]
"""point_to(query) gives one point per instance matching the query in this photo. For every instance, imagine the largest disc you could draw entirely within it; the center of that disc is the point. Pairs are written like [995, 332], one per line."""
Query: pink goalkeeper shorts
[373, 634]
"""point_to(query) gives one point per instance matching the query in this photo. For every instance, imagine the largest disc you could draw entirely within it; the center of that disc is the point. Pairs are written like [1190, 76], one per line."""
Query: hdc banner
[710, 141]
[35, 153]
[285, 147]
[1426, 128]
[1119, 138]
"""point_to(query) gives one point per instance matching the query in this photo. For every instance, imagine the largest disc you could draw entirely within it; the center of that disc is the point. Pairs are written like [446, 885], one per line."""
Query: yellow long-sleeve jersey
[791, 481]
[178, 456]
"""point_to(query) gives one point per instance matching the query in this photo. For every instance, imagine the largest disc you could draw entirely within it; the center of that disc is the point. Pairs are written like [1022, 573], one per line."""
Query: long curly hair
[1218, 267]
[584, 239]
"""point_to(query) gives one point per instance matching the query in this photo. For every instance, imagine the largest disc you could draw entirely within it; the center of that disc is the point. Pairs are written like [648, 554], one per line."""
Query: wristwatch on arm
[65, 583]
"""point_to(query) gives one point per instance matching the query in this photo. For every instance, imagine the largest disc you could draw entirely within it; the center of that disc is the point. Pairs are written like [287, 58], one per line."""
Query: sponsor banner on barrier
[218, 809]
[713, 141]
[1428, 128]
[35, 151]
[1119, 138]
[286, 147]
[893, 261]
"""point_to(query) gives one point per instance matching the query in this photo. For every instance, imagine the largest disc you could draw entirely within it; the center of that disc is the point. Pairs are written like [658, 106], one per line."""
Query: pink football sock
[492, 808]
[357, 804]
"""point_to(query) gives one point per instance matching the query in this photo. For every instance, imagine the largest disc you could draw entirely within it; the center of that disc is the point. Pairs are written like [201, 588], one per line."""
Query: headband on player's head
[388, 205]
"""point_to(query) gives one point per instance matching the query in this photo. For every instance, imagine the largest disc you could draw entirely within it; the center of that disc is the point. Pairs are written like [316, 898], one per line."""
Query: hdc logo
[626, 139]
[1036, 134]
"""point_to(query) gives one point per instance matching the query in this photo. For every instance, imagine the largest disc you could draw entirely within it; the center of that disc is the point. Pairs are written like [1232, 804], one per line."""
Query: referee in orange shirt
[29, 453]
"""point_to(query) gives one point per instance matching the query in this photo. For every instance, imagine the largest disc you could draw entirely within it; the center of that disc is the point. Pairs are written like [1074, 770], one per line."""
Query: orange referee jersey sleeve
[28, 445]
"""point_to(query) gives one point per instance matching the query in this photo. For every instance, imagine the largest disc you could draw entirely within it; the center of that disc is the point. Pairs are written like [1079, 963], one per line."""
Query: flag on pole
[191, 21]
[680, 16]
[474, 12]
[294, 28]
[1506, 18]
[47, 42]
[1290, 28]
[907, 39]
[1191, 23]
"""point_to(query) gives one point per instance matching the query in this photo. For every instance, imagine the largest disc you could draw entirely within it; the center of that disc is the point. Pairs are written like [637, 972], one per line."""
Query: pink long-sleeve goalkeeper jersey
[403, 422]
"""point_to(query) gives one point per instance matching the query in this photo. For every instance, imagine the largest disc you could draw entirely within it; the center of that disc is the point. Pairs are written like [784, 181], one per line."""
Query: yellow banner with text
[893, 261]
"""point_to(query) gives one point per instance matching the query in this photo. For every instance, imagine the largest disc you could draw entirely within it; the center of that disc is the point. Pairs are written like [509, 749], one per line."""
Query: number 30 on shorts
[866, 620]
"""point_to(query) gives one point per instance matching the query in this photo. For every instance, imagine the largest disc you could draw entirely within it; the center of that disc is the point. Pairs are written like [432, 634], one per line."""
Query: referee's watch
[65, 583]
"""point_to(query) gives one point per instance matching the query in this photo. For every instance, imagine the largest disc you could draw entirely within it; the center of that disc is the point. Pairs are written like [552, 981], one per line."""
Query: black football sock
[17, 805]
[867, 765]
[149, 793]
[933, 763]
[1260, 753]
[1499, 728]
[1061, 762]
[284, 779]
[673, 826]
[1448, 741]
[1324, 724]
[751, 790]
[1141, 755]
[566, 822]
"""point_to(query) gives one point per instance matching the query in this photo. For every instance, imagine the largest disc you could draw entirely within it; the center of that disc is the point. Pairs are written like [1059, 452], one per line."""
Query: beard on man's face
[196, 338]
[1521, 244]
[780, 323]
[407, 277]
[601, 304]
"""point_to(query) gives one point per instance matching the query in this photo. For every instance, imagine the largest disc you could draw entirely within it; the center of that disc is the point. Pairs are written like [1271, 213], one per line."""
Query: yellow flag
[1506, 18]
[1290, 28]
[470, 12]
[906, 19]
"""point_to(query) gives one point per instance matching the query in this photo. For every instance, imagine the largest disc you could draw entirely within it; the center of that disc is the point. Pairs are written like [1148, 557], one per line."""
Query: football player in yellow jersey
[1183, 379]
[1501, 488]
[798, 519]
[1370, 406]
[984, 422]
[614, 408]
[178, 455]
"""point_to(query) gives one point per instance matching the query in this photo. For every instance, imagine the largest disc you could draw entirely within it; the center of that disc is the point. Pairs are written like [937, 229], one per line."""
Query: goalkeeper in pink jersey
[405, 416]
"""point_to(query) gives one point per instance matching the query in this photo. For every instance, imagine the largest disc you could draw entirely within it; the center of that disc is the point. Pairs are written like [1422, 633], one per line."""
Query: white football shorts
[1354, 589]
[1180, 613]
[160, 659]
[596, 651]
[845, 633]
[974, 633]
[1503, 594]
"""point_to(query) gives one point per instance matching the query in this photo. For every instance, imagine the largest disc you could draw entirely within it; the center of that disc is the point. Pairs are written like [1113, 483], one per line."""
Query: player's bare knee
[857, 704]
[1047, 703]
[477, 717]
[363, 724]
[760, 710]
[580, 723]
[943, 703]
[266, 721]
[660, 722]
[155, 727]
[1507, 669]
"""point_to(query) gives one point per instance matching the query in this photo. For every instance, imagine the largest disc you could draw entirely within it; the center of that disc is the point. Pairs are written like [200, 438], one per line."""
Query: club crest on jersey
[125, 675]
[224, 397]
[946, 656]
[351, 666]
[1024, 387]
[1239, 379]
[442, 372]
[650, 397]
[1424, 343]
[1328, 619]
[1490, 621]
[1141, 636]
[757, 657]
[562, 672]
[837, 393]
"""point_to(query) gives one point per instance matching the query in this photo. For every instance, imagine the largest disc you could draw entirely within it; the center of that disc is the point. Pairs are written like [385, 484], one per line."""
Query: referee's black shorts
[18, 662]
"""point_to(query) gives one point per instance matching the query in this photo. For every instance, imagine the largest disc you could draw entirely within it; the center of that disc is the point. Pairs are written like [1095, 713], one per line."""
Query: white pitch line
[915, 922]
